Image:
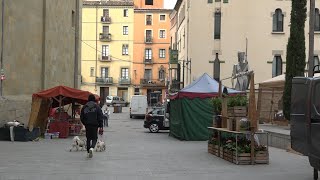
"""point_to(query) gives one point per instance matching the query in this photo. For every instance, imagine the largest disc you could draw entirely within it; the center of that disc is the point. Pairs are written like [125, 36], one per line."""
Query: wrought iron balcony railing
[104, 80]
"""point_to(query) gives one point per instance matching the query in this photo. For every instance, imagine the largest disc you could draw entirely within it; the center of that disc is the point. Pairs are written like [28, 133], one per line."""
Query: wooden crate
[213, 149]
[237, 111]
[262, 157]
[230, 124]
[234, 123]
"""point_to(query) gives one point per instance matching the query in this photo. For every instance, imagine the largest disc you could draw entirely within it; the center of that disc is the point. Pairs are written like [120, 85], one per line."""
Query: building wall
[92, 49]
[157, 4]
[38, 53]
[182, 37]
[249, 19]
[139, 66]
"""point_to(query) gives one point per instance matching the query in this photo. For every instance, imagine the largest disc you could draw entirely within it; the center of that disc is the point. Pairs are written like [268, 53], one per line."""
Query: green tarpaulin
[190, 118]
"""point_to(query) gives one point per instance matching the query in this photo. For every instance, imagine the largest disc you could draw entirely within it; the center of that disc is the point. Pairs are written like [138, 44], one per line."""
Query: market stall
[191, 109]
[234, 135]
[48, 111]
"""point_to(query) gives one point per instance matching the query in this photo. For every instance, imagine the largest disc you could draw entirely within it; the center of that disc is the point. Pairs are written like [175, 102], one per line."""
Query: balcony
[104, 58]
[105, 19]
[152, 82]
[104, 80]
[148, 40]
[105, 37]
[148, 61]
[124, 81]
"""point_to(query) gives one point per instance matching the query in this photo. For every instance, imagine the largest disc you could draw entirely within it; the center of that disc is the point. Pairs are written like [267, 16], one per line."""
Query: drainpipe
[96, 69]
[43, 66]
[76, 47]
[1, 61]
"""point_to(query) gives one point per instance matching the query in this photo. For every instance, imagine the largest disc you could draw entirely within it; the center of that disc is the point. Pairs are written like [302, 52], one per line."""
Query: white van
[138, 105]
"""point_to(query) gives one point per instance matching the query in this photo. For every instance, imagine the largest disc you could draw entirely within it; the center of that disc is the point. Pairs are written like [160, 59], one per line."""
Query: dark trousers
[92, 137]
[105, 121]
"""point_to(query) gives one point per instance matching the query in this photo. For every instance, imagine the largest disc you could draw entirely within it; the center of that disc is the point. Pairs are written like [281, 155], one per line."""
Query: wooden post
[252, 115]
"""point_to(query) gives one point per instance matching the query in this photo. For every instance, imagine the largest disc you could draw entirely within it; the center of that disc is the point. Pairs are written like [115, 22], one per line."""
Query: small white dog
[78, 144]
[101, 146]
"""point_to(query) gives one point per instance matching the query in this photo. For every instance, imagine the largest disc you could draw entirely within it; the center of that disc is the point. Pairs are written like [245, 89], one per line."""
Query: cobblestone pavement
[135, 154]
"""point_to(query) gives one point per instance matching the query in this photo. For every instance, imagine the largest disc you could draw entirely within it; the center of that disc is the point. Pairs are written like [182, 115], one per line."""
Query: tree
[296, 51]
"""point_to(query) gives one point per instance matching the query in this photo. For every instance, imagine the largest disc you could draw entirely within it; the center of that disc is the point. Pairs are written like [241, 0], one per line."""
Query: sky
[169, 4]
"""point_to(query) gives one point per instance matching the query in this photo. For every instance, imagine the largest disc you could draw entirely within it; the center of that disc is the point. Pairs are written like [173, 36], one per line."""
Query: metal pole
[187, 74]
[311, 38]
[183, 73]
[96, 68]
[190, 70]
[2, 29]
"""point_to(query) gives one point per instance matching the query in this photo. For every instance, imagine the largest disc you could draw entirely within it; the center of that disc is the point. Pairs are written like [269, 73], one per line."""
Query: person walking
[106, 115]
[91, 118]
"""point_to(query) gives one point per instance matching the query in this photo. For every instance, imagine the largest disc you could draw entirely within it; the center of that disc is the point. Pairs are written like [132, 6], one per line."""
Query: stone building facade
[41, 49]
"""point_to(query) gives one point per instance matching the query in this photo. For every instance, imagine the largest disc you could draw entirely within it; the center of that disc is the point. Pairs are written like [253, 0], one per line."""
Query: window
[136, 91]
[148, 54]
[104, 72]
[276, 66]
[210, 1]
[125, 30]
[73, 19]
[162, 53]
[317, 20]
[92, 71]
[148, 74]
[125, 49]
[106, 12]
[316, 62]
[105, 29]
[217, 25]
[148, 19]
[148, 33]
[125, 13]
[162, 17]
[162, 34]
[105, 51]
[278, 21]
[161, 74]
[148, 2]
[124, 73]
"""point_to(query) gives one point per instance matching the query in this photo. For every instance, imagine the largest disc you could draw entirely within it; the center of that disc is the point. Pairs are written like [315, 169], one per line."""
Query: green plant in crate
[216, 102]
[237, 100]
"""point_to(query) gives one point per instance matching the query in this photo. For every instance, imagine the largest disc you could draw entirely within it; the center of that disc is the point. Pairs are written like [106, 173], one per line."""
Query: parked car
[113, 100]
[138, 105]
[157, 119]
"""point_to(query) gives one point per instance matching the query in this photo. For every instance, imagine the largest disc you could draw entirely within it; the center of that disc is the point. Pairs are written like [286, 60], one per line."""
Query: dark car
[156, 120]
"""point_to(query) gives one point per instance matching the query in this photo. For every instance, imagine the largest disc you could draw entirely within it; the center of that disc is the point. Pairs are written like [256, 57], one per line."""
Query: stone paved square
[135, 154]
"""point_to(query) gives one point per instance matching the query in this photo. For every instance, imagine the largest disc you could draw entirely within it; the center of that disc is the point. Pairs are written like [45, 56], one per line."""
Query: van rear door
[299, 108]
[314, 147]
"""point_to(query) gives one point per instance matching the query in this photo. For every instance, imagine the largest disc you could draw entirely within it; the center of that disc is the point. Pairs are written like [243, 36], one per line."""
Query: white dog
[78, 144]
[101, 146]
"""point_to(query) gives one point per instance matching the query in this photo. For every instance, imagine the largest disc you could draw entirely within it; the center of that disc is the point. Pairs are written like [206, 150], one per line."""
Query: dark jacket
[91, 115]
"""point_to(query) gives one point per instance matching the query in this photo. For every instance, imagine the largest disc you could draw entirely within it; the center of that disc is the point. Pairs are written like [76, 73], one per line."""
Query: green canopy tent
[191, 112]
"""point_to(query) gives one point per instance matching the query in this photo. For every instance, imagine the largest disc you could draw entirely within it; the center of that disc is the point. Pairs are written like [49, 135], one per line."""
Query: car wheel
[154, 127]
